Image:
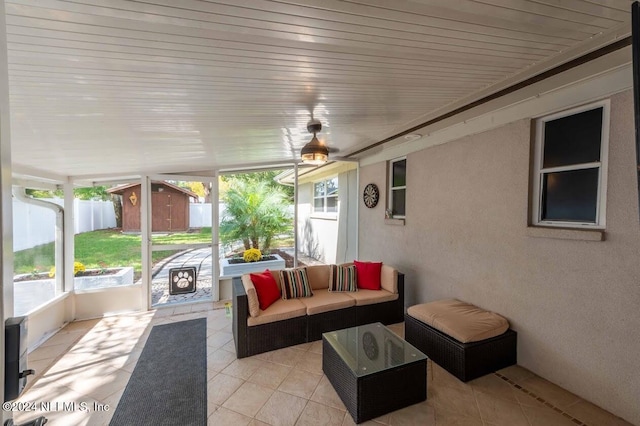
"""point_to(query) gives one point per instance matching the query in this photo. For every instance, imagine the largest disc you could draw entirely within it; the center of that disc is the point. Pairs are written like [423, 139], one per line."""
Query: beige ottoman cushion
[462, 321]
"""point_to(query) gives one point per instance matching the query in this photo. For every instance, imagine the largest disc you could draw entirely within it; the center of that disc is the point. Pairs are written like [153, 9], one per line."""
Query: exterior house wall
[317, 235]
[574, 303]
[330, 238]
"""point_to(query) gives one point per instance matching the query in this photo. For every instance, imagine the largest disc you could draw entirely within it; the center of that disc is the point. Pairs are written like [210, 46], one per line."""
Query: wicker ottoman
[465, 360]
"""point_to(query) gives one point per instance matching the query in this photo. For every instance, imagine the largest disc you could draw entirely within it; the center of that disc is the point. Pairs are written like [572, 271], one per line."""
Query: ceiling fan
[315, 152]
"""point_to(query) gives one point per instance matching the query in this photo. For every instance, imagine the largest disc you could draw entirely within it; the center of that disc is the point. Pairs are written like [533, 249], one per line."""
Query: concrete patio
[91, 361]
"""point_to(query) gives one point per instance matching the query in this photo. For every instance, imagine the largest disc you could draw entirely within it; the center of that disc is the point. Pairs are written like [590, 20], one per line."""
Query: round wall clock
[370, 195]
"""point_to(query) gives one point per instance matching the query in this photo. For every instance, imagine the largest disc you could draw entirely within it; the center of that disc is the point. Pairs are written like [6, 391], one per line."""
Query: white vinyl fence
[35, 225]
[200, 214]
[91, 215]
[32, 225]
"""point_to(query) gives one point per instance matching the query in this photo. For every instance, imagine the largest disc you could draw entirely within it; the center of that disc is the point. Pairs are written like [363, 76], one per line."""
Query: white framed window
[325, 196]
[397, 187]
[570, 168]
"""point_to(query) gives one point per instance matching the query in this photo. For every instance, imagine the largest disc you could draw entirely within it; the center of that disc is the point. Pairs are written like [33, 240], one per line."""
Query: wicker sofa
[295, 321]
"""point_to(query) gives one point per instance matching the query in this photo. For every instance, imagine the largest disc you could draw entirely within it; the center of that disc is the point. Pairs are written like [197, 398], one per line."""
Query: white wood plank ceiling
[105, 87]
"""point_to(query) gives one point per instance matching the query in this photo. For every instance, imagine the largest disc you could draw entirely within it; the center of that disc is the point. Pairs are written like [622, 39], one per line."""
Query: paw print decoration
[182, 280]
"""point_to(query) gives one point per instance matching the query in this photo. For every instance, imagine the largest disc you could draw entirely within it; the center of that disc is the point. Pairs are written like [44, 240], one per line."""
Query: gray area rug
[169, 384]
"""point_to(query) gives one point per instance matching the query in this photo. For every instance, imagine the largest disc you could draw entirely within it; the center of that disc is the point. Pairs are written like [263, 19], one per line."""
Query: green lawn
[103, 249]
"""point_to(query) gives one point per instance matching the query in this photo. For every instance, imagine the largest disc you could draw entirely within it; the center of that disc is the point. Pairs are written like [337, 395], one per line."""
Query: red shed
[169, 204]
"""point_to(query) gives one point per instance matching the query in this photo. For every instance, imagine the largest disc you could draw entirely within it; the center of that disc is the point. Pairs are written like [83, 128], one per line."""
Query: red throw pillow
[368, 274]
[266, 288]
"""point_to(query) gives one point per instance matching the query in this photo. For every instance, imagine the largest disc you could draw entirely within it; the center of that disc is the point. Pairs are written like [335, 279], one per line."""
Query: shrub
[255, 213]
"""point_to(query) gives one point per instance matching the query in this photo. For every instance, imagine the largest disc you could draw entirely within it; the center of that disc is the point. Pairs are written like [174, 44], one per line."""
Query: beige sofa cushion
[462, 321]
[325, 301]
[368, 297]
[389, 278]
[278, 311]
[318, 276]
[252, 296]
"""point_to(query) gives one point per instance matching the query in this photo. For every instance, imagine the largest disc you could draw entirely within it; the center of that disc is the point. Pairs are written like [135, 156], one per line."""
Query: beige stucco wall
[574, 304]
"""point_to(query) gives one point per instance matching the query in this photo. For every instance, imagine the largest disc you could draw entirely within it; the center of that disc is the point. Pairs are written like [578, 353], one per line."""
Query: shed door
[179, 212]
[131, 211]
[161, 219]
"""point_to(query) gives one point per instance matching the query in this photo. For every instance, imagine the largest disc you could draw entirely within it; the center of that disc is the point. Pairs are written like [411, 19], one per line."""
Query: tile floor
[91, 361]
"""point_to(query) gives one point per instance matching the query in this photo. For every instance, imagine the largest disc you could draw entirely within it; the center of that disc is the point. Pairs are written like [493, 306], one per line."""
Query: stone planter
[28, 295]
[237, 269]
[123, 276]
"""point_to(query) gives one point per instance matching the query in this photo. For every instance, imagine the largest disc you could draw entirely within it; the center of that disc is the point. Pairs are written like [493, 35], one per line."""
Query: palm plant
[255, 213]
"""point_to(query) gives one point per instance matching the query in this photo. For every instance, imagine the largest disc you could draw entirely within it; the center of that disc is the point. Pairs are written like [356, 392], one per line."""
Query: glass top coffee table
[373, 370]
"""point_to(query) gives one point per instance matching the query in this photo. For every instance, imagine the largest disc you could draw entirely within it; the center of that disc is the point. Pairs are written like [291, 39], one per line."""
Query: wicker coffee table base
[371, 396]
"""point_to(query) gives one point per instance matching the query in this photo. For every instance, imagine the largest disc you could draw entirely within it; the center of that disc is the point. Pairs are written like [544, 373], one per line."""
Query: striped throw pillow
[343, 278]
[295, 283]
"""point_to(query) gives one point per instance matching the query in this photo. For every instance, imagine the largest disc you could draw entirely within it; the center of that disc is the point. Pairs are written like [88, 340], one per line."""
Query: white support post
[145, 233]
[215, 240]
[295, 215]
[6, 241]
[357, 242]
[6, 207]
[68, 242]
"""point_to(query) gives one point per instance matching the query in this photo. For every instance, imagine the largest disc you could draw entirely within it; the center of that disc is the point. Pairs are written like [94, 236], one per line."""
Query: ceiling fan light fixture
[314, 152]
